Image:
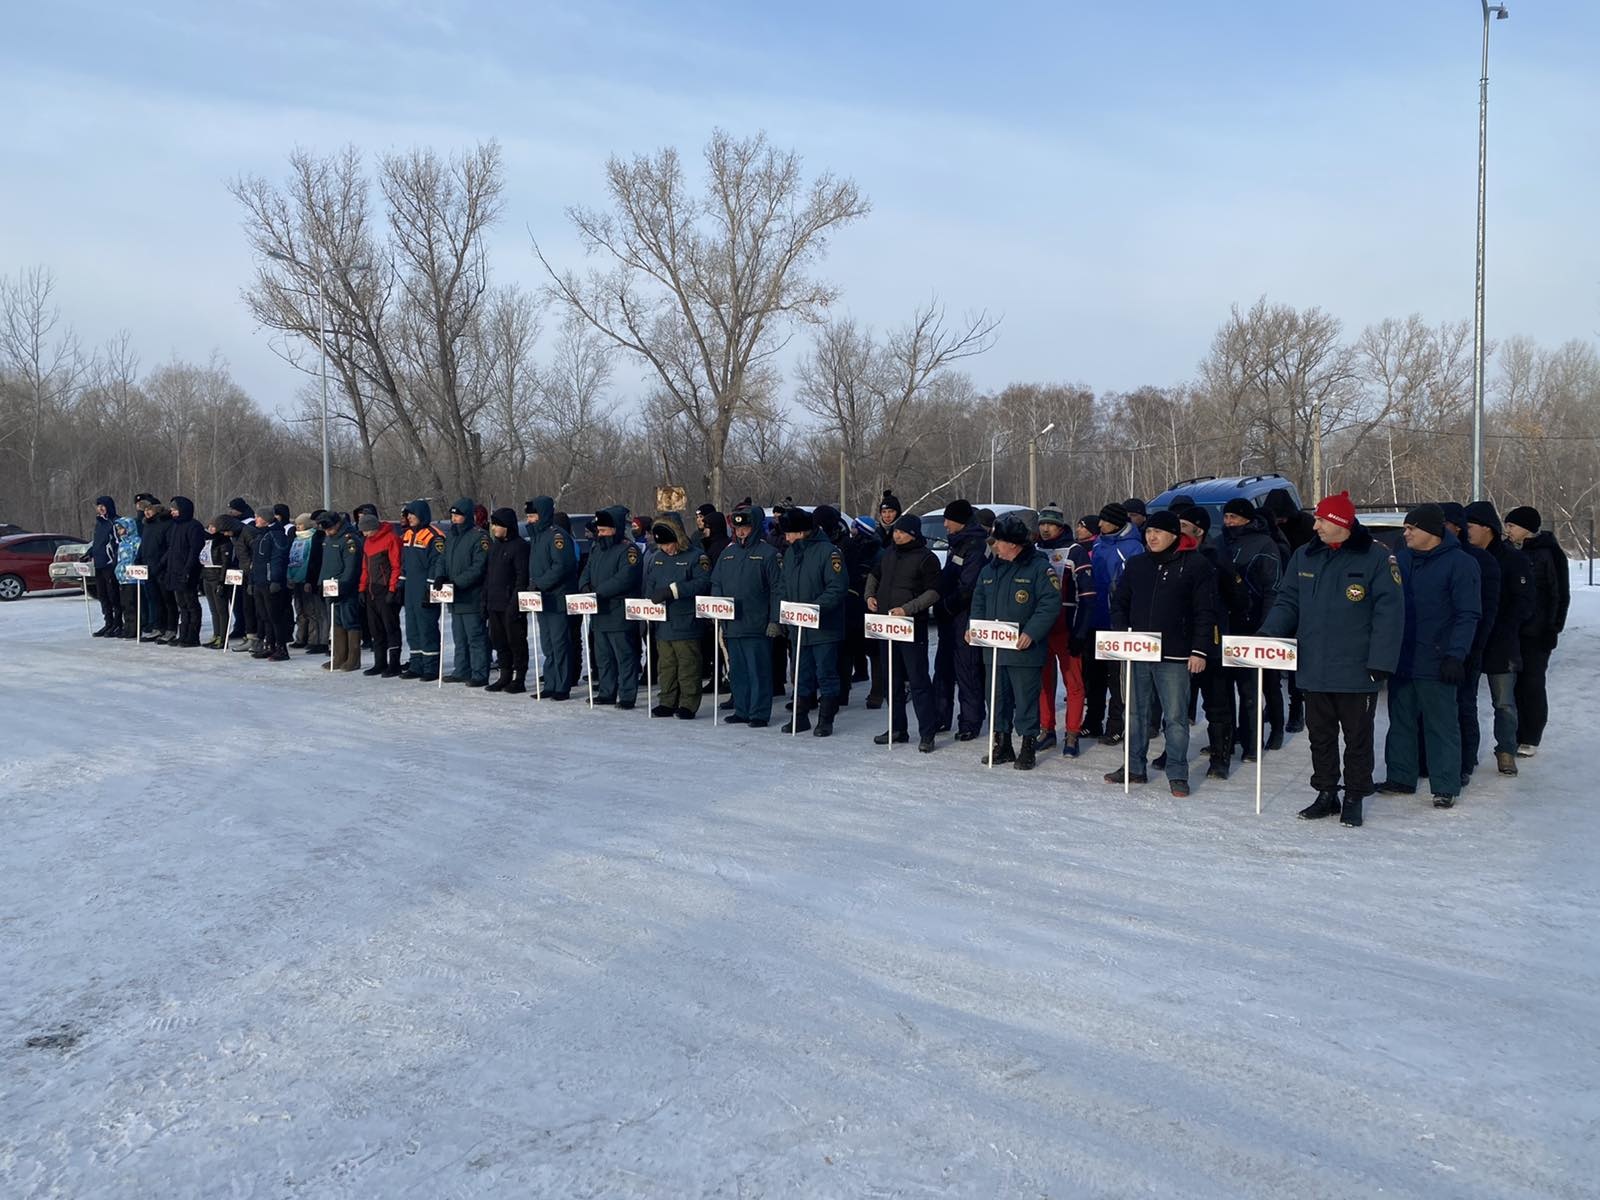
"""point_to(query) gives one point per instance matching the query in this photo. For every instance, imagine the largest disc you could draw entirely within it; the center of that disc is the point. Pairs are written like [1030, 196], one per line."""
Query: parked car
[26, 560]
[64, 570]
[1385, 526]
[1211, 493]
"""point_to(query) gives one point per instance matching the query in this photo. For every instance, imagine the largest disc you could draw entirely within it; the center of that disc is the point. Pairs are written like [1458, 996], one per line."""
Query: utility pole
[843, 509]
[1501, 13]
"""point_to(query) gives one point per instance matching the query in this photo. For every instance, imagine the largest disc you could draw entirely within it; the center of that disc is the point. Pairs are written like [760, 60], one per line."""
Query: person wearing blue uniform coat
[1118, 542]
[466, 561]
[613, 571]
[553, 573]
[957, 667]
[1443, 603]
[747, 573]
[1342, 599]
[1017, 585]
[813, 572]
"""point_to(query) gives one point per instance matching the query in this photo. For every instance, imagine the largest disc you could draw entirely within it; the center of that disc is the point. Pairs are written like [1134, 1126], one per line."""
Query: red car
[25, 560]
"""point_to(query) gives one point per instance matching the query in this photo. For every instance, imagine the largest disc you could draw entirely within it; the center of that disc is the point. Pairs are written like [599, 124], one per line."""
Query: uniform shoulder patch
[1394, 570]
[633, 557]
[484, 542]
[1054, 582]
[705, 562]
[558, 543]
[838, 563]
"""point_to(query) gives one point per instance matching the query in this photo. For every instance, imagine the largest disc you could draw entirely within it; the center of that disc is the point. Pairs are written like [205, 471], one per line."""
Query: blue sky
[1109, 177]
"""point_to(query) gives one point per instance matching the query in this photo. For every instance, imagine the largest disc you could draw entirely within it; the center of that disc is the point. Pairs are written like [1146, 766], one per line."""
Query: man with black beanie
[1489, 585]
[812, 572]
[1119, 542]
[1501, 656]
[1254, 560]
[905, 583]
[1552, 593]
[958, 667]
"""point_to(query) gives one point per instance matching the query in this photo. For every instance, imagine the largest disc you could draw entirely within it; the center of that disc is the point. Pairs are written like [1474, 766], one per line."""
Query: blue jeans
[1503, 692]
[1170, 682]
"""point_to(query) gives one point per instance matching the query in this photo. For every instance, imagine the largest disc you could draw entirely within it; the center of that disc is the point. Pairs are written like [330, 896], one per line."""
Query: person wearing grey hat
[1442, 607]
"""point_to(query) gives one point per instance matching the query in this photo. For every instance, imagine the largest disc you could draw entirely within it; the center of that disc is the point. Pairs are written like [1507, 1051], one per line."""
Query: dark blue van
[1212, 493]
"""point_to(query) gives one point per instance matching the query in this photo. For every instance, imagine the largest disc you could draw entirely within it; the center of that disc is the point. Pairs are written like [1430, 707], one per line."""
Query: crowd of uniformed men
[1469, 596]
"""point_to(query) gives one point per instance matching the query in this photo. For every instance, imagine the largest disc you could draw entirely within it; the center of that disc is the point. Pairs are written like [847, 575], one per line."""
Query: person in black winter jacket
[1256, 560]
[1501, 655]
[1170, 590]
[905, 583]
[180, 570]
[503, 578]
[1215, 683]
[958, 669]
[1455, 521]
[1552, 592]
[103, 557]
[269, 584]
[161, 609]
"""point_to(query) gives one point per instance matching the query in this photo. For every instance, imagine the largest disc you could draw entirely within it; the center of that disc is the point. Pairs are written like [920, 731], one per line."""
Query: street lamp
[1033, 465]
[994, 445]
[1500, 13]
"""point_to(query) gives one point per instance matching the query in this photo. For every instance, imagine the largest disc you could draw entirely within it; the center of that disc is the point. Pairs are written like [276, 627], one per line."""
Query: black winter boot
[1326, 805]
[1025, 755]
[1297, 714]
[1004, 752]
[825, 715]
[1352, 812]
[801, 721]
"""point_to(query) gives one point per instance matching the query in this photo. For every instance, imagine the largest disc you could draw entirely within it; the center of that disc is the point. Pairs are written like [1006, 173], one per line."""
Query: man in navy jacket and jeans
[1443, 605]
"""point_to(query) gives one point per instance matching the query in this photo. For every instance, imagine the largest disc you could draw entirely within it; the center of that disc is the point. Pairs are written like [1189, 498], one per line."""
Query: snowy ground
[293, 936]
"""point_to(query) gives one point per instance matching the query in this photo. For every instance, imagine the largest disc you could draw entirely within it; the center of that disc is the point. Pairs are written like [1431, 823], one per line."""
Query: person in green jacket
[612, 572]
[466, 558]
[674, 574]
[1341, 596]
[553, 573]
[1017, 585]
[341, 561]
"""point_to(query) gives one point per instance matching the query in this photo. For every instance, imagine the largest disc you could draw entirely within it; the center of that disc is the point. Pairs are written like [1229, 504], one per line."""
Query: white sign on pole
[1267, 653]
[233, 578]
[1260, 654]
[330, 589]
[138, 572]
[583, 604]
[997, 635]
[442, 593]
[713, 608]
[1128, 647]
[530, 602]
[802, 616]
[891, 629]
[643, 610]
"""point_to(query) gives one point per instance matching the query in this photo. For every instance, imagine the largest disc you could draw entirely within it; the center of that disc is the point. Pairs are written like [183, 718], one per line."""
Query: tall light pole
[1500, 13]
[1033, 465]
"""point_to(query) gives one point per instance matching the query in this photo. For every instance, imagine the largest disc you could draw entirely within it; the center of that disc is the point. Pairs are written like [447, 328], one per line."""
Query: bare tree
[570, 405]
[47, 367]
[701, 287]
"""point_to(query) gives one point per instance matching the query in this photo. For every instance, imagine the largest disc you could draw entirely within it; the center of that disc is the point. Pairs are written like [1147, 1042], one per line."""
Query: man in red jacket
[380, 584]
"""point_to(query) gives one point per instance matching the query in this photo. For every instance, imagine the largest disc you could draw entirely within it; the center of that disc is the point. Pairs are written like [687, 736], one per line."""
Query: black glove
[1076, 647]
[1451, 670]
[661, 596]
[441, 581]
[774, 630]
[1377, 675]
[275, 588]
[394, 599]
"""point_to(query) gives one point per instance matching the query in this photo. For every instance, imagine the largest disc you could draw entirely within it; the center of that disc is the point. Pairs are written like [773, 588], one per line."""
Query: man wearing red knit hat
[1341, 597]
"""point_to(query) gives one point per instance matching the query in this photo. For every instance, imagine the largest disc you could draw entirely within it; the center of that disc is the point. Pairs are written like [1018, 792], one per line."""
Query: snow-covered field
[285, 935]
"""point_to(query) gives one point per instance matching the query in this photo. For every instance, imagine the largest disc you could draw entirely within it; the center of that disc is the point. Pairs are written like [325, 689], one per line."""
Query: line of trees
[700, 345]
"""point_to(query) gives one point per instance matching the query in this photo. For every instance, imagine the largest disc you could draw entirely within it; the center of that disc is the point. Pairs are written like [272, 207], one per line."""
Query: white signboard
[83, 570]
[234, 577]
[138, 572]
[713, 608]
[1001, 635]
[584, 604]
[330, 589]
[806, 616]
[444, 593]
[643, 610]
[530, 602]
[1274, 654]
[1128, 647]
[891, 629]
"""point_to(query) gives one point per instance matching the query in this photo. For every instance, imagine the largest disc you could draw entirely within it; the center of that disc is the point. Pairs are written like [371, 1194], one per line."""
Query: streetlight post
[1500, 13]
[1033, 465]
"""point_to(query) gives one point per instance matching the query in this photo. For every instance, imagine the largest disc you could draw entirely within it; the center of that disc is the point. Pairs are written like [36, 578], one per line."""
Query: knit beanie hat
[1427, 517]
[1454, 514]
[605, 519]
[368, 523]
[303, 521]
[504, 517]
[796, 520]
[329, 520]
[281, 514]
[1198, 515]
[1114, 513]
[959, 511]
[1481, 512]
[1052, 514]
[909, 524]
[1526, 516]
[1240, 507]
[1091, 523]
[1338, 509]
[890, 501]
[1012, 528]
[1134, 505]
[663, 532]
[707, 510]
[1166, 520]
[368, 507]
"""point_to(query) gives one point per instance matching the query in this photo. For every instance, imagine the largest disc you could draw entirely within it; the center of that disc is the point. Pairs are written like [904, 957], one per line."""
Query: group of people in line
[1468, 596]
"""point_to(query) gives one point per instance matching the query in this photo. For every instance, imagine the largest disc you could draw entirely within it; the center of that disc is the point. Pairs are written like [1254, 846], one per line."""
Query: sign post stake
[533, 602]
[794, 718]
[994, 694]
[330, 589]
[588, 662]
[233, 578]
[538, 693]
[647, 640]
[716, 670]
[1260, 673]
[138, 614]
[889, 692]
[88, 618]
[1127, 724]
